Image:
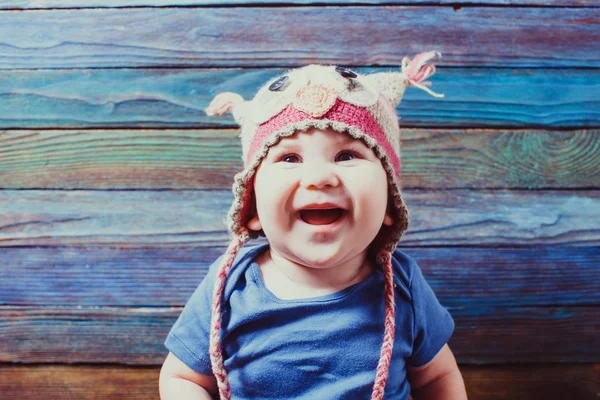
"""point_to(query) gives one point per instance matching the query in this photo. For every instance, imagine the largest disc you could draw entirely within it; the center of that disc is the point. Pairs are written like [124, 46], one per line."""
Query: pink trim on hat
[341, 111]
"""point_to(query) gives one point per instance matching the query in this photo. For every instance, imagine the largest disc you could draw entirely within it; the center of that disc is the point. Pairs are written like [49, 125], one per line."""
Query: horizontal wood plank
[461, 277]
[209, 37]
[474, 97]
[44, 4]
[532, 382]
[501, 335]
[176, 218]
[121, 159]
[209, 159]
[79, 382]
[515, 382]
[135, 336]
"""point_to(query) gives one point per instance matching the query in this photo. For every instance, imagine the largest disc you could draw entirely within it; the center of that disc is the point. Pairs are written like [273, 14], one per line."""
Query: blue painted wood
[469, 278]
[502, 299]
[44, 4]
[135, 335]
[208, 37]
[463, 277]
[558, 98]
[521, 335]
[108, 159]
[175, 218]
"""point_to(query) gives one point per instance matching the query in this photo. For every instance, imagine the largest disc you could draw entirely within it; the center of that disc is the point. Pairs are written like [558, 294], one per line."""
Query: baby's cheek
[372, 181]
[374, 200]
[271, 196]
[265, 201]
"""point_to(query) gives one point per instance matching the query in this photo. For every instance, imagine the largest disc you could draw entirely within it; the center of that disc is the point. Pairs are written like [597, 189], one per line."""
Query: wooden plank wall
[114, 183]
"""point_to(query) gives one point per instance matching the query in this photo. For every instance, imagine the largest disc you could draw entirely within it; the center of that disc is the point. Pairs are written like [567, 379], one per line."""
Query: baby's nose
[319, 176]
[315, 100]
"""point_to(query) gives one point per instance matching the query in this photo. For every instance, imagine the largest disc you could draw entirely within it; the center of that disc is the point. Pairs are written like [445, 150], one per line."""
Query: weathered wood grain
[532, 382]
[209, 159]
[208, 37]
[515, 382]
[526, 334]
[120, 159]
[176, 218]
[461, 277]
[477, 158]
[79, 382]
[42, 4]
[515, 304]
[135, 336]
[103, 275]
[124, 335]
[112, 159]
[474, 97]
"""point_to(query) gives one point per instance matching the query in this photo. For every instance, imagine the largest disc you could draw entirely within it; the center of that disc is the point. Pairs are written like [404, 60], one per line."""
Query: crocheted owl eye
[345, 72]
[350, 76]
[280, 84]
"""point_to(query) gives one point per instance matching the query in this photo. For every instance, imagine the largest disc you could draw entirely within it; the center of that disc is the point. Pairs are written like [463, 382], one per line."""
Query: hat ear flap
[228, 101]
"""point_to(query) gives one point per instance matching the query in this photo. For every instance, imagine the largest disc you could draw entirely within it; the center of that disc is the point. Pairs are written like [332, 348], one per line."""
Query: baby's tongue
[321, 217]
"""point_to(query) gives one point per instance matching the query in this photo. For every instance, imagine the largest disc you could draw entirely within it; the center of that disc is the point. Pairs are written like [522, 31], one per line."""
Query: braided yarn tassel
[390, 327]
[216, 356]
[417, 70]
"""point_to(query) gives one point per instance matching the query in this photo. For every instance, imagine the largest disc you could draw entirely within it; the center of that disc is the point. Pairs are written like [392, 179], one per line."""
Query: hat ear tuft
[224, 102]
[391, 84]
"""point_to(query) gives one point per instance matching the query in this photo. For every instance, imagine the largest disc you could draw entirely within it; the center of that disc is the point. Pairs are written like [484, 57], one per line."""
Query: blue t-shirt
[324, 347]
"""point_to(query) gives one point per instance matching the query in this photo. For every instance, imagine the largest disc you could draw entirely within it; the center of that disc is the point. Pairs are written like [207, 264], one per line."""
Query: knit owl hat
[318, 96]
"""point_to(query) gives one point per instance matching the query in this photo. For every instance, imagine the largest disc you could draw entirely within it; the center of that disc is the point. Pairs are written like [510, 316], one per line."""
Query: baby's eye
[346, 155]
[290, 158]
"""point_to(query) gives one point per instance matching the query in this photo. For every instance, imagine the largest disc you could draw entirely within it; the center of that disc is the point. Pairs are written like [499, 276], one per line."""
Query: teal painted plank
[42, 4]
[176, 218]
[461, 277]
[135, 336]
[177, 97]
[108, 159]
[475, 36]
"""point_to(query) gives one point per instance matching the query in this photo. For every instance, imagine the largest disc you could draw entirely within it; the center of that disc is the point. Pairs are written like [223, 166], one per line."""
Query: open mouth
[324, 216]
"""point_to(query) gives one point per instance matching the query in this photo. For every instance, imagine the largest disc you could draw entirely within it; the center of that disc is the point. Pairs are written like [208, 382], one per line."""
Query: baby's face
[327, 170]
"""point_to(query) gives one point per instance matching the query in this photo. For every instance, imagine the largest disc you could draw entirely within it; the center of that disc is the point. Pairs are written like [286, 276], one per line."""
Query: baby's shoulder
[404, 267]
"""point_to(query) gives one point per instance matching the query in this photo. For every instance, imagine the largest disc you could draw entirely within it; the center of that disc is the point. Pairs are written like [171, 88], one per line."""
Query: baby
[328, 308]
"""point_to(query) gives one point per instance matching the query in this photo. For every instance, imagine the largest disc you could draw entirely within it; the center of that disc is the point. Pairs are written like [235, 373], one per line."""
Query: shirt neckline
[327, 298]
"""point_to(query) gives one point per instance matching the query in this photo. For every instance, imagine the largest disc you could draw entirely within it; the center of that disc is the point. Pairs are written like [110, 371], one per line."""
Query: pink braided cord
[216, 356]
[390, 329]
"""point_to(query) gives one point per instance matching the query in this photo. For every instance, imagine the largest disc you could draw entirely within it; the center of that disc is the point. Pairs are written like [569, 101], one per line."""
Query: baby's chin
[321, 255]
